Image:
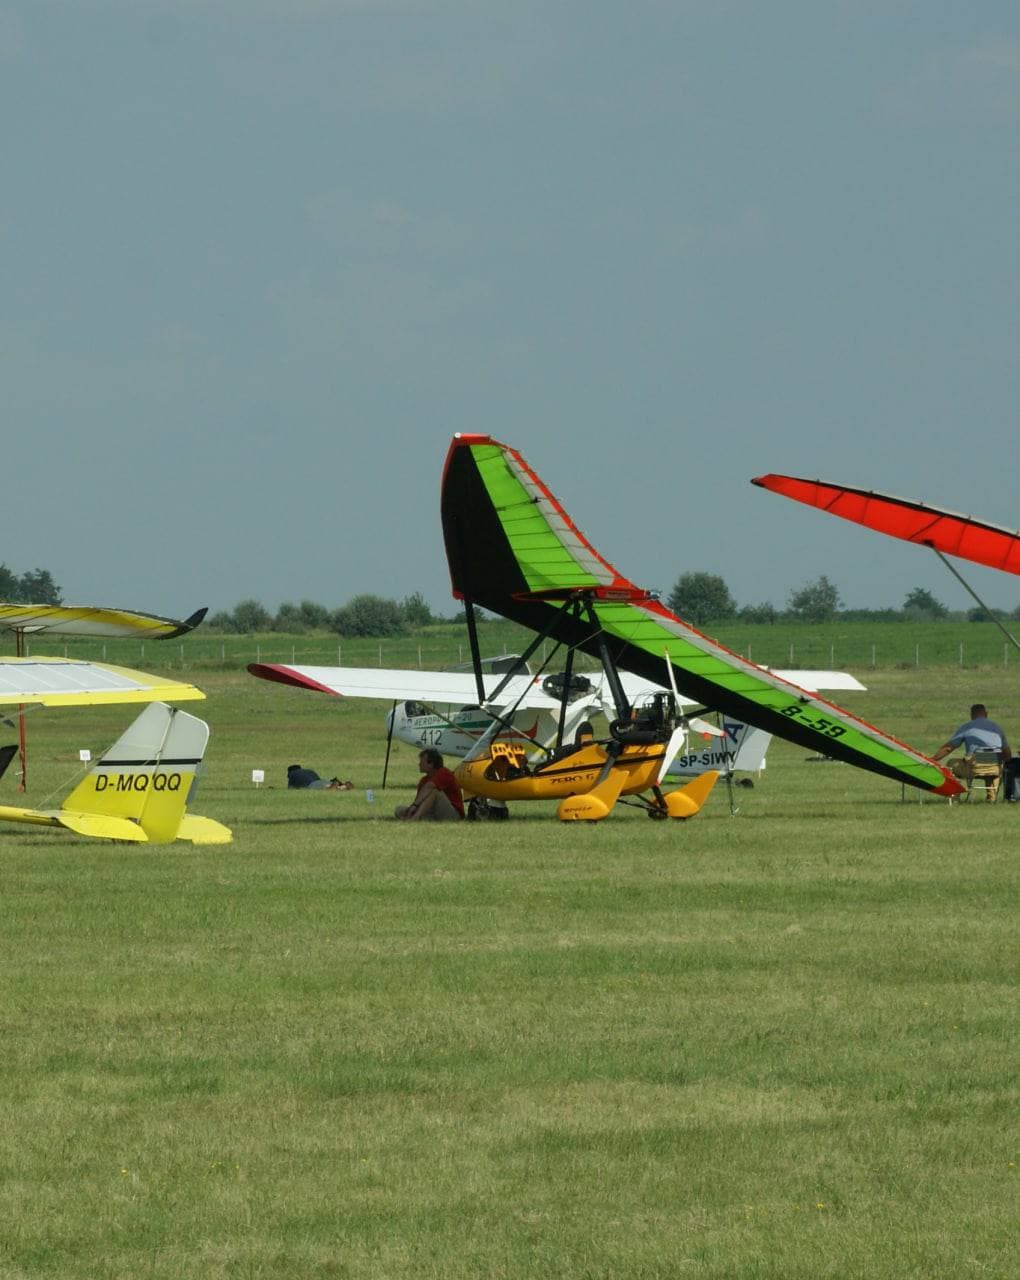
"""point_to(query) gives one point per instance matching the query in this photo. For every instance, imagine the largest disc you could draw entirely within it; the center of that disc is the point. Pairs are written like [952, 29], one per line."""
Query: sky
[261, 259]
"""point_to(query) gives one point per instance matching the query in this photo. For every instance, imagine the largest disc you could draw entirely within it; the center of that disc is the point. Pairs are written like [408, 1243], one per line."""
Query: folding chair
[985, 767]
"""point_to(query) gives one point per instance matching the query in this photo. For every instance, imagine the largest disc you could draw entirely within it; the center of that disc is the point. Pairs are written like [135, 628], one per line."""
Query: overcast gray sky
[262, 258]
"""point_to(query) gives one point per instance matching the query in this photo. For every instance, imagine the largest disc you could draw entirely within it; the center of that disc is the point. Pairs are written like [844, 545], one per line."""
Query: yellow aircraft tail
[139, 790]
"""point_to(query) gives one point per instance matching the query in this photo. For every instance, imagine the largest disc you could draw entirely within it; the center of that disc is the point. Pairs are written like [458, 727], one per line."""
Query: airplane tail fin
[141, 786]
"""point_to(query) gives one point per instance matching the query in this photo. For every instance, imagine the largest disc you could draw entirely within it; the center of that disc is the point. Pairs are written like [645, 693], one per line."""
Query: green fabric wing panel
[695, 654]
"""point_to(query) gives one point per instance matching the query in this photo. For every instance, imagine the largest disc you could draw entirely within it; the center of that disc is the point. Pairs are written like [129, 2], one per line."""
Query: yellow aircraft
[589, 775]
[95, 621]
[140, 789]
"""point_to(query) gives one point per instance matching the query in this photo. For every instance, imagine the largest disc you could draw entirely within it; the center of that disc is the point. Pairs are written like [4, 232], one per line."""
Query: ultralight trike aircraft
[512, 549]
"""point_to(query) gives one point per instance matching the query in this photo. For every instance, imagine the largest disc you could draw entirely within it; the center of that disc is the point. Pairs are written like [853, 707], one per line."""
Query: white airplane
[441, 709]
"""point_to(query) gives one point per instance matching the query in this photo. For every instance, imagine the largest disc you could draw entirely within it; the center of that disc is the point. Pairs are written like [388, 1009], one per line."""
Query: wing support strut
[521, 665]
[623, 708]
[967, 587]
[476, 653]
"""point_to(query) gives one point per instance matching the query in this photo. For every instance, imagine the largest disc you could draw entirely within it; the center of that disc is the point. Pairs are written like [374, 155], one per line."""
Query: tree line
[35, 587]
[701, 598]
[363, 615]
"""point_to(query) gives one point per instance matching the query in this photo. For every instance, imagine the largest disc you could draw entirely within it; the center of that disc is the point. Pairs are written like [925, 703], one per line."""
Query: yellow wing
[67, 682]
[93, 620]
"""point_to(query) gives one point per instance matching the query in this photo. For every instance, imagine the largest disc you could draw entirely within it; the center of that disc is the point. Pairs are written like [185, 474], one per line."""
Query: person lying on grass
[309, 779]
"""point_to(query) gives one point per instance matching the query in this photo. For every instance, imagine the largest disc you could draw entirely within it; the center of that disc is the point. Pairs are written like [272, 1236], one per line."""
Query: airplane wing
[812, 681]
[513, 549]
[90, 620]
[67, 682]
[456, 688]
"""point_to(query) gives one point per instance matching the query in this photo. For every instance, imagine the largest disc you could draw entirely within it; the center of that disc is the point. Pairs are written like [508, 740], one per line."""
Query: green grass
[779, 1045]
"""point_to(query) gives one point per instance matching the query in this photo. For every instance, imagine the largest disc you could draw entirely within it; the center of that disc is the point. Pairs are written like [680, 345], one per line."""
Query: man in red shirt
[438, 798]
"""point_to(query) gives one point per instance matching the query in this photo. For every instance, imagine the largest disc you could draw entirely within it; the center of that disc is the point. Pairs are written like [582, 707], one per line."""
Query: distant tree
[922, 604]
[758, 613]
[298, 618]
[38, 587]
[369, 615]
[249, 617]
[35, 587]
[460, 616]
[288, 619]
[416, 611]
[221, 621]
[316, 616]
[977, 614]
[10, 585]
[816, 601]
[701, 597]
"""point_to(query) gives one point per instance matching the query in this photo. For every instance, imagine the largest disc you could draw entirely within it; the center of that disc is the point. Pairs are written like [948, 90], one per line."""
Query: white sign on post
[84, 755]
[258, 776]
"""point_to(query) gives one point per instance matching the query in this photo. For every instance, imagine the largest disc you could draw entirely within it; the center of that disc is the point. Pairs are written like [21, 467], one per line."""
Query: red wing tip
[287, 675]
[951, 787]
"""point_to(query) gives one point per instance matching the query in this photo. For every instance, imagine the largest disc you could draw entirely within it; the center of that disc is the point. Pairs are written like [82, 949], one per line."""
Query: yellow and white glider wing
[67, 682]
[93, 620]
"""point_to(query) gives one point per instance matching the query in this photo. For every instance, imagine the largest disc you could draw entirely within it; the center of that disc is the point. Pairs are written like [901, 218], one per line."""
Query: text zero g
[139, 782]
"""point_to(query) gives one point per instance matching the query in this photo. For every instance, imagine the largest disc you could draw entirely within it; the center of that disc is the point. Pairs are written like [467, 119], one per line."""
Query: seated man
[308, 778]
[978, 734]
[438, 798]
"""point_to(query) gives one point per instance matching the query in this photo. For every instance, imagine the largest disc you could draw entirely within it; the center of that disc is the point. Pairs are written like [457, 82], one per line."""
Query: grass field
[777, 1045]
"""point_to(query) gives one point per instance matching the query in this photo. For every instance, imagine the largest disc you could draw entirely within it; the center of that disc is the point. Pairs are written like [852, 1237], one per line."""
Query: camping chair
[986, 767]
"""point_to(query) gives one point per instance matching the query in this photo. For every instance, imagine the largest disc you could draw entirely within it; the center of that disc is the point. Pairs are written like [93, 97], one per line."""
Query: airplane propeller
[676, 740]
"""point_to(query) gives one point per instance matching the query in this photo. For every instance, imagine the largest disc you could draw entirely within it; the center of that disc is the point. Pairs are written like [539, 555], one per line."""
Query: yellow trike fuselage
[586, 779]
[505, 776]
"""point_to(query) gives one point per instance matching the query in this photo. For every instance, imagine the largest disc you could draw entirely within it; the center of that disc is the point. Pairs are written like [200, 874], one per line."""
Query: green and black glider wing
[512, 549]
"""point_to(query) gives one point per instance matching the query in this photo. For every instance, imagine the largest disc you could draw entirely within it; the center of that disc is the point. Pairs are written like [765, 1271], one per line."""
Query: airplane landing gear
[481, 810]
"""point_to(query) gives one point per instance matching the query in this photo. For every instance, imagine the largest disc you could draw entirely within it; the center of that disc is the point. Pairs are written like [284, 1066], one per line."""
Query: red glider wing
[945, 531]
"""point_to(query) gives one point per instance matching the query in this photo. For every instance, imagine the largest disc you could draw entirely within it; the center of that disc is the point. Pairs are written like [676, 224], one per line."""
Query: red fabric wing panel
[946, 531]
